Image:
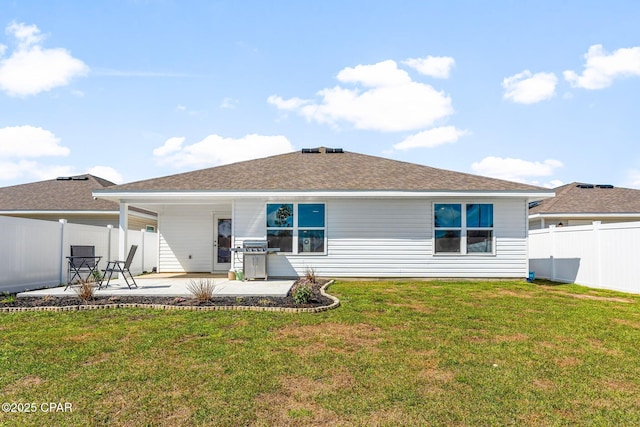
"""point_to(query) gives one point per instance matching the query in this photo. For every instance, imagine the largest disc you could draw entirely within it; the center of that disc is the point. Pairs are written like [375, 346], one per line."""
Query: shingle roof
[69, 194]
[298, 171]
[572, 198]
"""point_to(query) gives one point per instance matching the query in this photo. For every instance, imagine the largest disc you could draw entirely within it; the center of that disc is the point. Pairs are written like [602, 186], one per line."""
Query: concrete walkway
[157, 285]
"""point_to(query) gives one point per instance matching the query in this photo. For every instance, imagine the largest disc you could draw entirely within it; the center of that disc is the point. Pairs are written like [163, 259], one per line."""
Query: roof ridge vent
[585, 185]
[63, 178]
[310, 150]
[334, 150]
[604, 186]
[80, 178]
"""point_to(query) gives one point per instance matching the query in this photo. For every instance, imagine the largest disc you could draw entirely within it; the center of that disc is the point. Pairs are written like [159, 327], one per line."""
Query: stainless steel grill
[254, 260]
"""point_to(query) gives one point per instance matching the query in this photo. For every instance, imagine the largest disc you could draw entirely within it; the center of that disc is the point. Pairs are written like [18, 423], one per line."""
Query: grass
[394, 353]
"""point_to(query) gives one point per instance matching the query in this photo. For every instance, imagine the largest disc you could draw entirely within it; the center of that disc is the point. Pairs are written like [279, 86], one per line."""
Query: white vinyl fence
[33, 252]
[598, 255]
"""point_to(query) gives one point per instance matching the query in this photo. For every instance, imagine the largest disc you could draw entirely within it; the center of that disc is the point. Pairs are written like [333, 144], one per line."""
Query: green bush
[302, 294]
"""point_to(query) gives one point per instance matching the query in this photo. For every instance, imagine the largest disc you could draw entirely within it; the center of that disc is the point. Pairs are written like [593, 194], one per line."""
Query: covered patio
[176, 285]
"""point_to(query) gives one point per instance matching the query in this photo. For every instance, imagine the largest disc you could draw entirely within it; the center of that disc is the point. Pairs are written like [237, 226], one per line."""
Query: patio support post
[123, 231]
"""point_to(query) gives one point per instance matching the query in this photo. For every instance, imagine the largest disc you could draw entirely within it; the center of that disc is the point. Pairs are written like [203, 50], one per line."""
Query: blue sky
[543, 92]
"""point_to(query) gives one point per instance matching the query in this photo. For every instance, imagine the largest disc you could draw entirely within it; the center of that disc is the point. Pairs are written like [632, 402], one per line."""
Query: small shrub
[302, 294]
[7, 298]
[201, 290]
[85, 291]
[96, 276]
[310, 275]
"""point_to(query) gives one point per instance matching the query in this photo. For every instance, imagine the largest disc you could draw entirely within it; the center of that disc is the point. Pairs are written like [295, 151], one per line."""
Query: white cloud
[29, 141]
[602, 68]
[31, 69]
[391, 101]
[433, 66]
[382, 74]
[290, 104]
[633, 178]
[515, 169]
[106, 172]
[32, 170]
[13, 170]
[528, 88]
[217, 150]
[431, 138]
[26, 35]
[229, 103]
[548, 184]
[171, 145]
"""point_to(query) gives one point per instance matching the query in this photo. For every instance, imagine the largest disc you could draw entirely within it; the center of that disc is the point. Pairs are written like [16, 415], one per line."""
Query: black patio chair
[82, 264]
[121, 267]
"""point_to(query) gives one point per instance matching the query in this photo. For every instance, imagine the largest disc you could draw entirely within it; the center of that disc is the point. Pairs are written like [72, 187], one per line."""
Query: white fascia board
[203, 196]
[585, 215]
[35, 212]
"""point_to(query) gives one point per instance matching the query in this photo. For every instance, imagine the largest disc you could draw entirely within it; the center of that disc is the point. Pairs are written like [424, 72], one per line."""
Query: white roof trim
[46, 212]
[586, 215]
[77, 213]
[200, 196]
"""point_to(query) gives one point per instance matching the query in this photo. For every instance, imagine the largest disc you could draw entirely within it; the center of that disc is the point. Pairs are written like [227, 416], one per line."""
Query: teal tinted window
[311, 215]
[280, 215]
[479, 215]
[281, 239]
[479, 241]
[310, 241]
[448, 215]
[448, 241]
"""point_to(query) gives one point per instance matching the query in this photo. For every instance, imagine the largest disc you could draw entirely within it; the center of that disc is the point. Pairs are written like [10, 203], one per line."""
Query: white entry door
[222, 244]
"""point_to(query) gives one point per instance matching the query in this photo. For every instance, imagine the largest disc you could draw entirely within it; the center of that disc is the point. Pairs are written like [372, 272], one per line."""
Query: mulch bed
[317, 300]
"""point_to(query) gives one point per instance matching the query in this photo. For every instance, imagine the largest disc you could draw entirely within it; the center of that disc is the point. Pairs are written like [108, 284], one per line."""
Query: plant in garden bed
[302, 293]
[202, 289]
[96, 276]
[7, 298]
[310, 276]
[86, 290]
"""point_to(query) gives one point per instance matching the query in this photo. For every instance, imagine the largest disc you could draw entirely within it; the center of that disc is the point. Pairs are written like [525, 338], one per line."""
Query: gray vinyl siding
[392, 238]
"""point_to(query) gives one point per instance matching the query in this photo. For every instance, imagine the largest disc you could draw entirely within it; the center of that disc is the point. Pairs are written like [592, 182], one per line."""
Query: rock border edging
[333, 305]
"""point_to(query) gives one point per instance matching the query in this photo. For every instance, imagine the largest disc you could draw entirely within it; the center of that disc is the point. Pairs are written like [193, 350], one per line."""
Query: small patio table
[81, 264]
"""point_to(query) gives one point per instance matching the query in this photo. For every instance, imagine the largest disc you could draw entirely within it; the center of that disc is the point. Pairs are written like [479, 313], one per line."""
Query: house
[579, 204]
[340, 213]
[70, 198]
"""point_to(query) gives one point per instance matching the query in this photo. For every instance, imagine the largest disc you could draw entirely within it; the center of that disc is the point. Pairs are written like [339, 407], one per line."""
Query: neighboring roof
[61, 194]
[322, 171]
[581, 198]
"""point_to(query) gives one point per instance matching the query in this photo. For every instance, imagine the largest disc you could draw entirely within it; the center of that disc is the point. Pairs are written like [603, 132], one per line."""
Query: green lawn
[394, 353]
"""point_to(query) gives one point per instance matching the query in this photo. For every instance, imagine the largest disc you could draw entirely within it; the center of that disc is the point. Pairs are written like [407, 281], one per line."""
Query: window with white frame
[296, 227]
[461, 228]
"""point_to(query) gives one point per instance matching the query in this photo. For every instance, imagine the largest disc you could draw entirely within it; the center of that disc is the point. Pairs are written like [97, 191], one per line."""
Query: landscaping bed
[316, 300]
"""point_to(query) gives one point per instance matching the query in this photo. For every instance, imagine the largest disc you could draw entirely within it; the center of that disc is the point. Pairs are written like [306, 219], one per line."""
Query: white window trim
[295, 228]
[463, 230]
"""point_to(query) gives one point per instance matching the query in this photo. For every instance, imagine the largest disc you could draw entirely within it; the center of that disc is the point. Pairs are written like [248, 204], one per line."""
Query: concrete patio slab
[178, 287]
